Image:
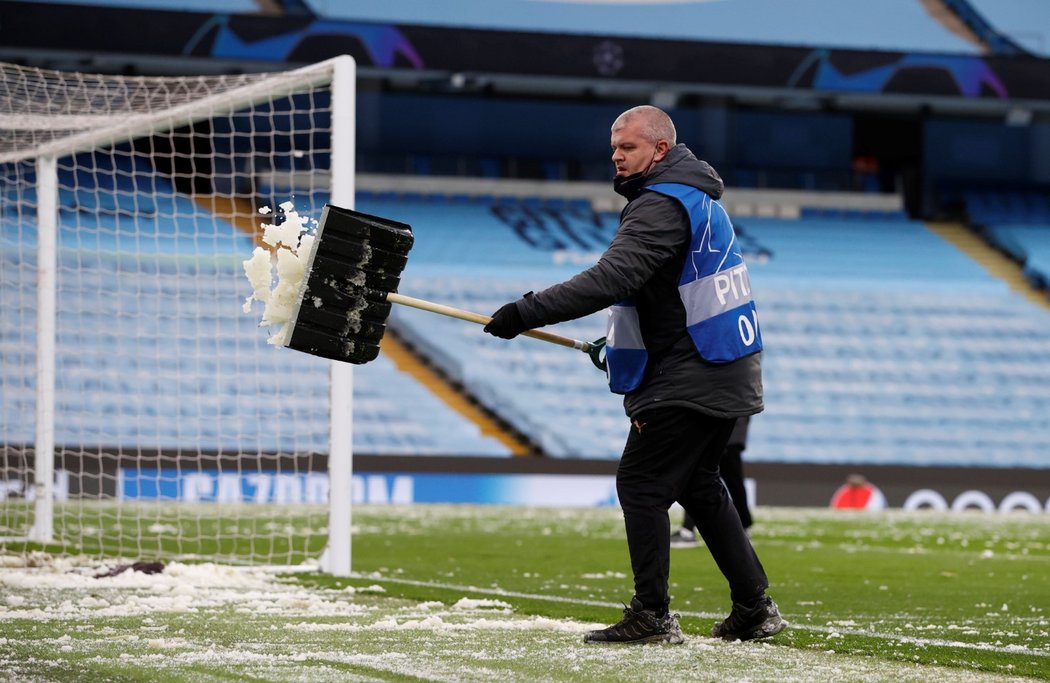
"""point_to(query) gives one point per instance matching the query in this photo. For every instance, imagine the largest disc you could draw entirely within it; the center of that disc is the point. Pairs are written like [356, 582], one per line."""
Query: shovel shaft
[394, 297]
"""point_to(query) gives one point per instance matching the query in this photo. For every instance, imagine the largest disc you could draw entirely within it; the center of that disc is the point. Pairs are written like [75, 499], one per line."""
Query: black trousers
[732, 471]
[673, 454]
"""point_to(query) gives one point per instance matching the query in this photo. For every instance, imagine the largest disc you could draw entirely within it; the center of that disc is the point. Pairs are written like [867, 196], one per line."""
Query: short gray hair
[656, 124]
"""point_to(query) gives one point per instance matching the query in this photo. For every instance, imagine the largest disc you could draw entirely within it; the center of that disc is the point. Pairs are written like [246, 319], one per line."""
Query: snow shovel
[352, 275]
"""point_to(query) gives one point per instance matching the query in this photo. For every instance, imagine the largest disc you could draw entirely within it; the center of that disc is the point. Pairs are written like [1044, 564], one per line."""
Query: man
[683, 347]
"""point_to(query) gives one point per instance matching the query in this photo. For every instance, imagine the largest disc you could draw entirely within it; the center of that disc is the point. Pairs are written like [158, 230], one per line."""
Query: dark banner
[190, 476]
[112, 31]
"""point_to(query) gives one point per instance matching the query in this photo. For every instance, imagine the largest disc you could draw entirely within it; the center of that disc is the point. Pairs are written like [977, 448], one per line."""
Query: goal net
[142, 413]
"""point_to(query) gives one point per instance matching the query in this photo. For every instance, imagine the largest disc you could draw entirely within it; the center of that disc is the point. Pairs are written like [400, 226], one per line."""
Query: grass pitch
[453, 593]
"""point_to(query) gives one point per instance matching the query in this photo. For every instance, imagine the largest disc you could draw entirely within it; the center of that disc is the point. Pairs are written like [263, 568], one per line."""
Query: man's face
[632, 153]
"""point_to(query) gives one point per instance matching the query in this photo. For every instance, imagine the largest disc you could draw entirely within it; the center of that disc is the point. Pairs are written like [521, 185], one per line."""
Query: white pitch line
[935, 642]
[858, 547]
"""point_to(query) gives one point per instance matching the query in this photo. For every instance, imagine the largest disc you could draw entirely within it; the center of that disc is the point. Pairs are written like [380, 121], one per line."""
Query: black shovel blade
[349, 349]
[356, 260]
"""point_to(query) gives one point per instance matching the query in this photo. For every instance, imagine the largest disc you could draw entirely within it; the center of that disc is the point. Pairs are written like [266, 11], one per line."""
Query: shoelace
[630, 615]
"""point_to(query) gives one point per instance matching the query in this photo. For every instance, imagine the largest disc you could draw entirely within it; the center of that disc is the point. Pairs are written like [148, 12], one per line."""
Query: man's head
[641, 138]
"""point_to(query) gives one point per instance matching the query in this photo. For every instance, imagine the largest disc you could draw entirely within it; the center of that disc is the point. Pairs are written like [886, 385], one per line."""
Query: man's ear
[662, 148]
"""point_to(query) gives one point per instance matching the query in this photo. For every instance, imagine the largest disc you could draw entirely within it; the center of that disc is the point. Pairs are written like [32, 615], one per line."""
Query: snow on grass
[293, 632]
[207, 621]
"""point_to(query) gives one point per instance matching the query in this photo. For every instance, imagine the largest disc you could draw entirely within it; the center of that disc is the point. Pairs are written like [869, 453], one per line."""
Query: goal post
[143, 413]
[44, 446]
[337, 558]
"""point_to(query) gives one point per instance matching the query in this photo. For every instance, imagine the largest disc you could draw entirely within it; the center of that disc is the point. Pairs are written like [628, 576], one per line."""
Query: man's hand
[506, 322]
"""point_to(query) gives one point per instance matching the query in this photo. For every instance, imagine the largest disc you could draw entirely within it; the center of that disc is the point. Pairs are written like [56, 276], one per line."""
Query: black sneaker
[762, 621]
[684, 538]
[639, 626]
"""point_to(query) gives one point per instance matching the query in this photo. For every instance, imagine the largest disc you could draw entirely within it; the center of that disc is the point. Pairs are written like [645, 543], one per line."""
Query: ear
[662, 148]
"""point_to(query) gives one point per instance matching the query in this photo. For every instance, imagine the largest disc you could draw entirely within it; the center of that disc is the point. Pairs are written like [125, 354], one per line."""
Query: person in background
[732, 470]
[859, 494]
[866, 172]
[684, 348]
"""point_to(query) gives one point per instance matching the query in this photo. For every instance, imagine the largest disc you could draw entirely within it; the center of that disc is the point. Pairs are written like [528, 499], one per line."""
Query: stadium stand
[1027, 243]
[915, 355]
[886, 345]
[897, 350]
[1016, 222]
[198, 379]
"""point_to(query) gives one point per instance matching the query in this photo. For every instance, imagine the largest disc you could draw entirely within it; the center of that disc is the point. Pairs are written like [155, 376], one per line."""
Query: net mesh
[178, 431]
[39, 107]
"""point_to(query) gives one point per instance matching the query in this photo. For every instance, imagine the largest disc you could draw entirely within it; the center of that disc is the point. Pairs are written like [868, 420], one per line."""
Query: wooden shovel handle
[394, 297]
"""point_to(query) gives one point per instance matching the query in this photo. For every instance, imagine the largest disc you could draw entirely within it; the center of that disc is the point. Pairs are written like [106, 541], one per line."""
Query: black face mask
[629, 186]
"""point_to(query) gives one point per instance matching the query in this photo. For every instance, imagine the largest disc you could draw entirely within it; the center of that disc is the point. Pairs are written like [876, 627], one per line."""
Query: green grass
[888, 596]
[237, 534]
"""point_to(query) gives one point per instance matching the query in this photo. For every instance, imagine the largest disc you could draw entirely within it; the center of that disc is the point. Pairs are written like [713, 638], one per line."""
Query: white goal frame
[340, 74]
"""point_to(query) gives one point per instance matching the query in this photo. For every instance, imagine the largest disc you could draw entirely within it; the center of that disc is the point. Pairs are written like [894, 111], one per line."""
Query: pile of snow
[60, 590]
[292, 242]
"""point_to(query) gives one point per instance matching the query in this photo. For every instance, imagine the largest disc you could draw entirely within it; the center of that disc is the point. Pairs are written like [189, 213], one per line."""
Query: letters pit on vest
[715, 289]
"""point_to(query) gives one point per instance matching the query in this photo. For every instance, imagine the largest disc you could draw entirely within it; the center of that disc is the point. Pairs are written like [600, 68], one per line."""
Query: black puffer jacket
[645, 260]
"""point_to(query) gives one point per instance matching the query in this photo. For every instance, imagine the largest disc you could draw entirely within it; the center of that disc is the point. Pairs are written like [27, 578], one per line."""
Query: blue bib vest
[715, 289]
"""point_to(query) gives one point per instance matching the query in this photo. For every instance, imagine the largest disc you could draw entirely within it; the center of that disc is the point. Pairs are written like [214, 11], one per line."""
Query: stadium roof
[805, 53]
[895, 25]
[900, 25]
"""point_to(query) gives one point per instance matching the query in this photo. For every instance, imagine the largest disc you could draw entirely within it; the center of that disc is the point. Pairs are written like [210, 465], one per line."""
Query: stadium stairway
[998, 264]
[410, 362]
[237, 211]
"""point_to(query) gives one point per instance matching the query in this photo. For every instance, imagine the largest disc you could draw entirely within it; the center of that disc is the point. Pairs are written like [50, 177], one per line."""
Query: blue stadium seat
[1028, 243]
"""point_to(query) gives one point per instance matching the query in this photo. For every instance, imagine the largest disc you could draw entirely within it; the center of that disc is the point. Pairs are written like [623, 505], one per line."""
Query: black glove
[506, 322]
